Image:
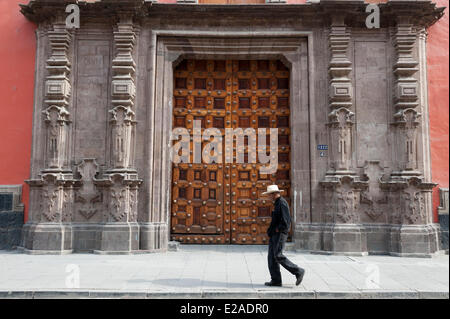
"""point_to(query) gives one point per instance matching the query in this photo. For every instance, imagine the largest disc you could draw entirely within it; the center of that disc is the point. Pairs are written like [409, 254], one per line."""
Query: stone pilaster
[49, 228]
[342, 187]
[340, 118]
[412, 231]
[406, 99]
[120, 182]
[57, 97]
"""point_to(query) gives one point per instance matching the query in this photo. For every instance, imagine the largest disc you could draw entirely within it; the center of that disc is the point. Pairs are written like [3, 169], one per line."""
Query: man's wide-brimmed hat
[272, 189]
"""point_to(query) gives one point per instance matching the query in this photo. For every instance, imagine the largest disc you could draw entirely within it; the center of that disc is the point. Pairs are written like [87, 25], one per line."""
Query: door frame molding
[295, 49]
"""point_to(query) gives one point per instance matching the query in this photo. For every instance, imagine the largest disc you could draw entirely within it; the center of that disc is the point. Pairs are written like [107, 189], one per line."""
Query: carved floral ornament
[341, 117]
[122, 114]
[345, 198]
[408, 195]
[87, 196]
[409, 117]
[122, 192]
[56, 114]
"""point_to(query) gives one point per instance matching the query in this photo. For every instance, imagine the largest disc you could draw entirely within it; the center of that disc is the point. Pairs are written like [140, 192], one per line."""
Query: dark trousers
[276, 258]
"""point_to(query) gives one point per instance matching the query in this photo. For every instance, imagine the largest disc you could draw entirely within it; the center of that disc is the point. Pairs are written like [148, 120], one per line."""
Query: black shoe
[271, 283]
[300, 277]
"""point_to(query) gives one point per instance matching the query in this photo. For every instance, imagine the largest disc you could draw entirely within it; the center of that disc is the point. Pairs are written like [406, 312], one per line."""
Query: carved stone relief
[374, 201]
[88, 199]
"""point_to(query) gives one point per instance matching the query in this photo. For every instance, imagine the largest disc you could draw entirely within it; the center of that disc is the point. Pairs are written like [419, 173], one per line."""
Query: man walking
[278, 233]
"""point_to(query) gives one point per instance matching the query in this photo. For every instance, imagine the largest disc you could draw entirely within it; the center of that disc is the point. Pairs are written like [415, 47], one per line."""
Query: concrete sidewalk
[218, 272]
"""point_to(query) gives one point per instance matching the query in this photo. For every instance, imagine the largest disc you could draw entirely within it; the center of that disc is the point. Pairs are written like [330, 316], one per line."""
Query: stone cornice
[423, 13]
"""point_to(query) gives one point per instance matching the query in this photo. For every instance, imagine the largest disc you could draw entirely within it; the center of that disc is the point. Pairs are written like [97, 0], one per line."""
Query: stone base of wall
[414, 240]
[335, 239]
[47, 238]
[109, 238]
[11, 224]
[396, 240]
[443, 210]
[119, 238]
[154, 236]
[443, 222]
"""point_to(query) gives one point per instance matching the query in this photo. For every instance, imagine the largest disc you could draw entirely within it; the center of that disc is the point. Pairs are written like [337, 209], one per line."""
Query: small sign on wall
[322, 148]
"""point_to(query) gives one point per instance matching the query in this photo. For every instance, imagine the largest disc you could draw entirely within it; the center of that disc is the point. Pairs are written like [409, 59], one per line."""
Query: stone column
[49, 227]
[120, 234]
[412, 232]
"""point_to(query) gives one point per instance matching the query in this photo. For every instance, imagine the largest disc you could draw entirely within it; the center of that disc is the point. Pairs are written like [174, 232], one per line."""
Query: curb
[211, 294]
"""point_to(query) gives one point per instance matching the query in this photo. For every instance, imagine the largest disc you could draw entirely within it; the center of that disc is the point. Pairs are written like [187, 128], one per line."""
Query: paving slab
[221, 271]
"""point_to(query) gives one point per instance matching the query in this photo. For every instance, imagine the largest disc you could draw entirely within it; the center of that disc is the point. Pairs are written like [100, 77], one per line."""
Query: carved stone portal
[101, 172]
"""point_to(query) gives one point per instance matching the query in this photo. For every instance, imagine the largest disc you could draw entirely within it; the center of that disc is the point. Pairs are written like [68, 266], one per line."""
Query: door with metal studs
[221, 203]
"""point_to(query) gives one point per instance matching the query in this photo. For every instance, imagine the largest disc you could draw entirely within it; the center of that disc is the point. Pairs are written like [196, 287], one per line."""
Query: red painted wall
[437, 60]
[17, 62]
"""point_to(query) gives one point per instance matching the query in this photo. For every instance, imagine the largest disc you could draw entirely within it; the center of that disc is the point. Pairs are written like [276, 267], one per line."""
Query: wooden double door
[220, 202]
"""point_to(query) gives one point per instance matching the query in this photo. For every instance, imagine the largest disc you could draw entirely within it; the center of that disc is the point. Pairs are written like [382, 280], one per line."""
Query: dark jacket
[281, 219]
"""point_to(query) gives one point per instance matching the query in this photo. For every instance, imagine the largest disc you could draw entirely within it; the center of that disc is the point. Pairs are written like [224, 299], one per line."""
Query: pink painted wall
[437, 60]
[17, 61]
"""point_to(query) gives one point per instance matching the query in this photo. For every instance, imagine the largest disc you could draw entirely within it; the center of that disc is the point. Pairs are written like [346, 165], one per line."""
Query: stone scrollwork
[121, 190]
[88, 198]
[346, 200]
[410, 196]
[374, 200]
[55, 197]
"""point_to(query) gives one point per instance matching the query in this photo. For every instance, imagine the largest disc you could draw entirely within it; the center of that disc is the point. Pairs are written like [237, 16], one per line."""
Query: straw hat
[272, 189]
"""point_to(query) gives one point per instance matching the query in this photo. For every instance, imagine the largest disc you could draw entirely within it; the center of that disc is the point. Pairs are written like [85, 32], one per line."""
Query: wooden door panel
[262, 91]
[222, 202]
